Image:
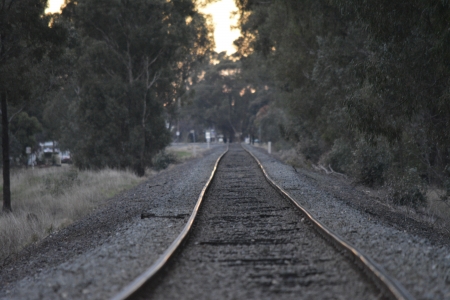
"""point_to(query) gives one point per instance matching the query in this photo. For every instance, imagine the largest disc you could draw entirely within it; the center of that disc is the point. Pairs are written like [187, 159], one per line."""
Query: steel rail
[137, 283]
[386, 283]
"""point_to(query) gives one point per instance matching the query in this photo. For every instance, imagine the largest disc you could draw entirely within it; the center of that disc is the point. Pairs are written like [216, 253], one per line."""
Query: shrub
[292, 157]
[371, 163]
[311, 150]
[163, 159]
[340, 157]
[407, 190]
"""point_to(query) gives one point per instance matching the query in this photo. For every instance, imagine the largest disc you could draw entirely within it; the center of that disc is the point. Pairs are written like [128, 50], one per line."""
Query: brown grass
[439, 210]
[186, 151]
[46, 200]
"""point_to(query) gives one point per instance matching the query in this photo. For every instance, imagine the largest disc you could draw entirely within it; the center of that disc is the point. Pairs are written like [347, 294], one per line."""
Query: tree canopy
[132, 59]
[357, 76]
[28, 40]
[362, 87]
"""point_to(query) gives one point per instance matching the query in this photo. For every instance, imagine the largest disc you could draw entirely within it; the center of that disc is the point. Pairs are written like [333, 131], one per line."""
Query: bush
[311, 150]
[371, 163]
[407, 190]
[163, 159]
[340, 157]
[292, 157]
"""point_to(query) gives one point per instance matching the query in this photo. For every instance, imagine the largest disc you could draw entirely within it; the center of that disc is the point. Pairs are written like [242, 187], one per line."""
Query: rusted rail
[136, 284]
[390, 286]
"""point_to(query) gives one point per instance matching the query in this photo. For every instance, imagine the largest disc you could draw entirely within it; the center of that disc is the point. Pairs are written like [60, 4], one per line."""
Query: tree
[406, 78]
[350, 71]
[27, 39]
[216, 102]
[132, 57]
[220, 97]
[306, 53]
[23, 130]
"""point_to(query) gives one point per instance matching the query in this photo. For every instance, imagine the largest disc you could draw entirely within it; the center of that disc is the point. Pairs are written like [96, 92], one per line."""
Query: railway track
[248, 241]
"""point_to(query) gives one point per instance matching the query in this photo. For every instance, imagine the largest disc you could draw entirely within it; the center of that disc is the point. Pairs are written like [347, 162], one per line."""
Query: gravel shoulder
[96, 256]
[249, 243]
[410, 251]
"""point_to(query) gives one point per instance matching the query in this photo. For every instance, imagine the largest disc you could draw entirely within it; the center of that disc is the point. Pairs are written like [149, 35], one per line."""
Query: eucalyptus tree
[216, 99]
[352, 70]
[404, 93]
[28, 40]
[131, 63]
[306, 51]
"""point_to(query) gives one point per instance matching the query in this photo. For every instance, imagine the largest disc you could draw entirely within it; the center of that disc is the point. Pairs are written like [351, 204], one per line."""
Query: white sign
[207, 135]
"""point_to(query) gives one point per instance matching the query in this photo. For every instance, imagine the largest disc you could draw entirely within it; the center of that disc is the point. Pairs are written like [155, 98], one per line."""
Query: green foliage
[28, 44]
[407, 189]
[220, 99]
[28, 47]
[131, 60]
[311, 150]
[23, 130]
[267, 123]
[163, 159]
[371, 163]
[347, 69]
[340, 157]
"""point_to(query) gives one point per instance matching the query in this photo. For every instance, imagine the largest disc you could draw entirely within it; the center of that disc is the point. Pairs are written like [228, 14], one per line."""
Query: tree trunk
[141, 170]
[5, 148]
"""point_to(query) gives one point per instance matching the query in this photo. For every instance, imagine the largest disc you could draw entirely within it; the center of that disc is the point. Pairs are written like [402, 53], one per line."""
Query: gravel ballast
[95, 257]
[421, 266]
[249, 243]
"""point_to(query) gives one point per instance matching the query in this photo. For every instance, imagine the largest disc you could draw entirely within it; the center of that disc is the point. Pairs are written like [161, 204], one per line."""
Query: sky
[54, 6]
[221, 13]
[223, 35]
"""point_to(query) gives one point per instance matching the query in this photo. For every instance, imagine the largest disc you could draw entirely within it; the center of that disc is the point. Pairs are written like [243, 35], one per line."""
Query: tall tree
[217, 102]
[133, 55]
[27, 39]
[351, 70]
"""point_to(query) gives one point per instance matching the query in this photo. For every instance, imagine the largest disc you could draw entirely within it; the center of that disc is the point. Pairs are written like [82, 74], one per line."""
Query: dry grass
[186, 151]
[292, 157]
[438, 209]
[46, 200]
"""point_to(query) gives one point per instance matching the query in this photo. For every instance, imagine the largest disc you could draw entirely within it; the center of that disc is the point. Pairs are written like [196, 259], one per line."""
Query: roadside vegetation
[425, 202]
[356, 88]
[48, 199]
[101, 78]
[360, 89]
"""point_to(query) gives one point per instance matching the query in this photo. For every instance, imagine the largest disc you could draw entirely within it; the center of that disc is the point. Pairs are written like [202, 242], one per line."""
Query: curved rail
[137, 283]
[385, 282]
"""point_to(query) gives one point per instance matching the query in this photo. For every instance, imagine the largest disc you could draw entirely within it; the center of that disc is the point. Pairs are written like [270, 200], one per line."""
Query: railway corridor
[250, 243]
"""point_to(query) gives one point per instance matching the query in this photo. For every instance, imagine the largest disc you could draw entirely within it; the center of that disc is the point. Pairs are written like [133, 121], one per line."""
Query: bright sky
[54, 6]
[223, 35]
[221, 13]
